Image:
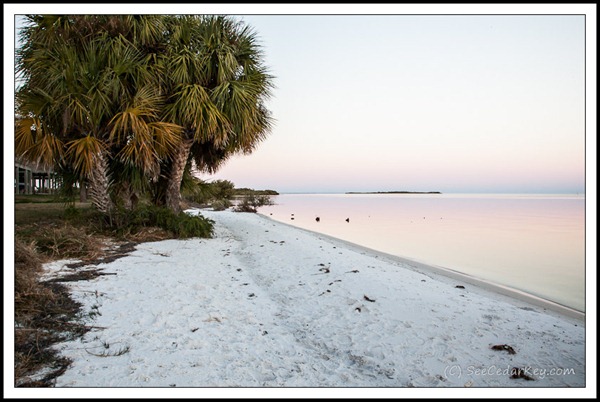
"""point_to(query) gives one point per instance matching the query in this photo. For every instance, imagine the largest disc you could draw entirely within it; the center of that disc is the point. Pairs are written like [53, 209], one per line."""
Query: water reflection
[533, 243]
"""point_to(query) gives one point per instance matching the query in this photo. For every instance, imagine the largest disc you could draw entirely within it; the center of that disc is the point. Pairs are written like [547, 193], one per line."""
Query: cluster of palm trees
[128, 103]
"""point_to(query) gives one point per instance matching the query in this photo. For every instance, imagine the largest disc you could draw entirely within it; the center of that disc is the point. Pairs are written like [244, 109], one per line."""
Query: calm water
[534, 243]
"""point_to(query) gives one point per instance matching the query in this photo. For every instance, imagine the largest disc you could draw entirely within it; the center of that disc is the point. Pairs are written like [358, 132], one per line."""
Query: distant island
[251, 191]
[393, 192]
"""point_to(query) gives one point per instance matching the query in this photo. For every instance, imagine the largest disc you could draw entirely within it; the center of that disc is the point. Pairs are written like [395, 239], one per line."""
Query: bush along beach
[251, 203]
[222, 194]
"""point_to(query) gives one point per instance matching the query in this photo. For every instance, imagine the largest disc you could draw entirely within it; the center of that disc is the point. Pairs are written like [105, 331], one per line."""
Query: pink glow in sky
[398, 101]
[423, 103]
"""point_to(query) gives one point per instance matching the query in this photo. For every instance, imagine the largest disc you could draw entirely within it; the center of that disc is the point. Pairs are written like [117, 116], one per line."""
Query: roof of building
[35, 167]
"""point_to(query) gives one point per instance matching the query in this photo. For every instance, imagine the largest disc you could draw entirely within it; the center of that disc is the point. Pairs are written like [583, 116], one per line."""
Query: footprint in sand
[439, 348]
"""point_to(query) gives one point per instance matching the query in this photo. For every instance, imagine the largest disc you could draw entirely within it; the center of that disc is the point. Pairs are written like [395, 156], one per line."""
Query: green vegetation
[127, 105]
[250, 203]
[222, 194]
[221, 204]
[53, 226]
[249, 191]
[179, 225]
[216, 194]
[34, 198]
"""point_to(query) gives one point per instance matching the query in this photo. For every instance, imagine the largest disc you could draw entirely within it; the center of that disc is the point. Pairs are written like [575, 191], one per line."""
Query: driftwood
[508, 348]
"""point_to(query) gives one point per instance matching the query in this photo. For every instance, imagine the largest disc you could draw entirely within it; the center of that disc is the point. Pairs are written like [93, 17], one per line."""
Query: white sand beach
[267, 305]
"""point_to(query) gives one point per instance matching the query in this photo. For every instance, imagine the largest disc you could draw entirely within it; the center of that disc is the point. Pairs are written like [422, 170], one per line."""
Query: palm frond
[25, 135]
[84, 152]
[193, 108]
[166, 137]
[141, 154]
[47, 150]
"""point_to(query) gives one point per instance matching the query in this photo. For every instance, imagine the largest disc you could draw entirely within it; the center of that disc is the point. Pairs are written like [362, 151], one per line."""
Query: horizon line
[432, 192]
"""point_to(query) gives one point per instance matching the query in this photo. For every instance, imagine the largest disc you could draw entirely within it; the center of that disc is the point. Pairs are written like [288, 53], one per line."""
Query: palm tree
[61, 120]
[90, 99]
[216, 86]
[132, 100]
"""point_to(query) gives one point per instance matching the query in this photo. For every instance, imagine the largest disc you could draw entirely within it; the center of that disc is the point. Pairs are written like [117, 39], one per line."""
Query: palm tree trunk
[98, 186]
[173, 191]
[82, 191]
[125, 194]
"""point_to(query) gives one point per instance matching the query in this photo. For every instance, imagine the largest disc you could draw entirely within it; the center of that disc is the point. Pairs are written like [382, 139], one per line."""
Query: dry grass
[45, 313]
[148, 234]
[68, 242]
[42, 311]
[28, 266]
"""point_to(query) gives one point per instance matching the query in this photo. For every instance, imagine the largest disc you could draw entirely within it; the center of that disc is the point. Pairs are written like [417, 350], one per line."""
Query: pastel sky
[451, 103]
[446, 103]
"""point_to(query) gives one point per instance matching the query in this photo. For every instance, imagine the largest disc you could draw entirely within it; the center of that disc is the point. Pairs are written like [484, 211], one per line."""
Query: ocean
[529, 242]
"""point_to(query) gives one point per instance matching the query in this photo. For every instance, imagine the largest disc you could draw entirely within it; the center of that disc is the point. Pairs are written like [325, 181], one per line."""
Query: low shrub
[250, 203]
[180, 225]
[221, 205]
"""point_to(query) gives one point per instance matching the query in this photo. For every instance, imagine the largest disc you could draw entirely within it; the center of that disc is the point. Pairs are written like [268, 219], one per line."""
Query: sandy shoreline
[264, 304]
[425, 267]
